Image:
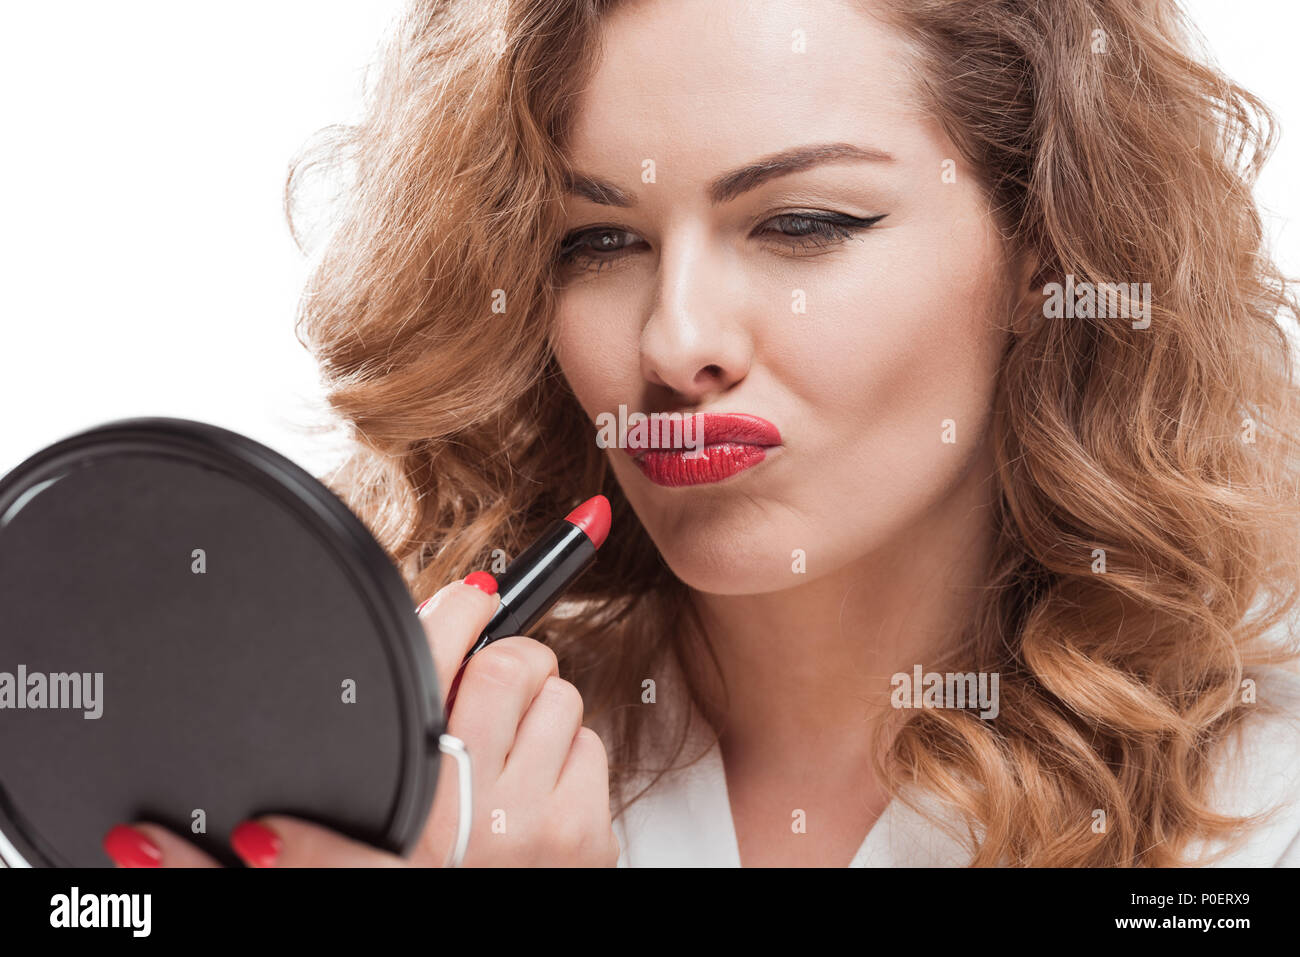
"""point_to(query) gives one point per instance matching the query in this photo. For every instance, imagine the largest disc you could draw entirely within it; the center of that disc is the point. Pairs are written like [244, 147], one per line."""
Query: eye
[598, 246]
[594, 248]
[807, 232]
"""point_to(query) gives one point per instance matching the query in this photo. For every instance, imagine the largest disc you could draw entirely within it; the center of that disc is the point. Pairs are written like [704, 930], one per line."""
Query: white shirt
[685, 819]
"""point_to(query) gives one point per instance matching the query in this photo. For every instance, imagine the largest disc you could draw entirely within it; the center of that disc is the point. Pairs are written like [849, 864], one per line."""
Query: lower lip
[687, 467]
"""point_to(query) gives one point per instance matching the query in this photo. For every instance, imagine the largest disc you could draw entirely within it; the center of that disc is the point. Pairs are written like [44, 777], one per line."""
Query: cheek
[910, 344]
[905, 360]
[596, 349]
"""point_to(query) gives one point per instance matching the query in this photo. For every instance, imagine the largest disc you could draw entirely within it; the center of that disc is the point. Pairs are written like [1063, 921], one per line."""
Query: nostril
[712, 371]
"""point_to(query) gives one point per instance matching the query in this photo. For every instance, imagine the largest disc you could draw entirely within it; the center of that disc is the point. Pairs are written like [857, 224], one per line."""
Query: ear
[1027, 290]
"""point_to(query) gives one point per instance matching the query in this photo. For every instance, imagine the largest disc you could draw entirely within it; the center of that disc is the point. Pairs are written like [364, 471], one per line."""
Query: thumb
[453, 619]
[276, 841]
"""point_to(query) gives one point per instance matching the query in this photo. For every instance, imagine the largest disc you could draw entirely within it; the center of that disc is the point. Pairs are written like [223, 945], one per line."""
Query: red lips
[703, 448]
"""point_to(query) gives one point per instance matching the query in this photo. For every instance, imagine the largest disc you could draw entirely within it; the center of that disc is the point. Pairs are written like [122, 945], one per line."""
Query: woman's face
[700, 291]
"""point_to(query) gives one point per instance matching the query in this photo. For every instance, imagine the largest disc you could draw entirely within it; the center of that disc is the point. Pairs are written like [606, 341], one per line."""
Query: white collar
[685, 819]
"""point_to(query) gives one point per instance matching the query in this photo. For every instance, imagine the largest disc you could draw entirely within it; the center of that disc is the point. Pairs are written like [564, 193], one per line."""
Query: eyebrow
[730, 185]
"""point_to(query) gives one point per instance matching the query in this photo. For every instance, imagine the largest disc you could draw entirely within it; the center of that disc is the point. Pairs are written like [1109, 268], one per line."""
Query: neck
[804, 664]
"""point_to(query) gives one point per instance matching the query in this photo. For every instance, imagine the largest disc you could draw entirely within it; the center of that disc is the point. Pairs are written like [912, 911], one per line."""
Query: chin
[717, 554]
[716, 572]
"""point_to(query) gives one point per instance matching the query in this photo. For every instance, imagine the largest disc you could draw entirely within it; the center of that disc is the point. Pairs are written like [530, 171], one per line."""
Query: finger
[275, 841]
[583, 789]
[496, 690]
[546, 734]
[149, 845]
[586, 771]
[454, 618]
[586, 776]
[440, 828]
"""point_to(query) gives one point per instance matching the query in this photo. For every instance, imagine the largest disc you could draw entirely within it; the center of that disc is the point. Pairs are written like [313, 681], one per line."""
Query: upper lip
[715, 428]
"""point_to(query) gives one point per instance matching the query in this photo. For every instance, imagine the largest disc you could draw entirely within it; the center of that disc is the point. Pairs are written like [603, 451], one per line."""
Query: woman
[982, 286]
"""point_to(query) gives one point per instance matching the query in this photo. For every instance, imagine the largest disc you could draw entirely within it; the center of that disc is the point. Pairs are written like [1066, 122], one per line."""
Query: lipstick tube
[536, 579]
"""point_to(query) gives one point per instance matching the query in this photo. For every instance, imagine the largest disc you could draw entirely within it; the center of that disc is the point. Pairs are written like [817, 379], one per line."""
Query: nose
[695, 342]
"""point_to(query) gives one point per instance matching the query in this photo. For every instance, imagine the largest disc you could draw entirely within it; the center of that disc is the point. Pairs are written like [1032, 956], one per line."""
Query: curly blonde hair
[1171, 448]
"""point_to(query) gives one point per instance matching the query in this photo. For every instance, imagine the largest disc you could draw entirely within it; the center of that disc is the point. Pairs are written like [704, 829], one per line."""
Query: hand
[541, 779]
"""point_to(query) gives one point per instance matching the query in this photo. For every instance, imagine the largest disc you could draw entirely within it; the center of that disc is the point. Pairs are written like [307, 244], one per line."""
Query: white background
[145, 265]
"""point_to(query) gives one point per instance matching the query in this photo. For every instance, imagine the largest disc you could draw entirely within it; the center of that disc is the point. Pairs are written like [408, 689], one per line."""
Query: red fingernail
[423, 605]
[256, 844]
[482, 581]
[130, 848]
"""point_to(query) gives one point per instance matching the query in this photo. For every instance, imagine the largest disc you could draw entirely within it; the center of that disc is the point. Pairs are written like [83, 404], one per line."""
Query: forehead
[724, 81]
